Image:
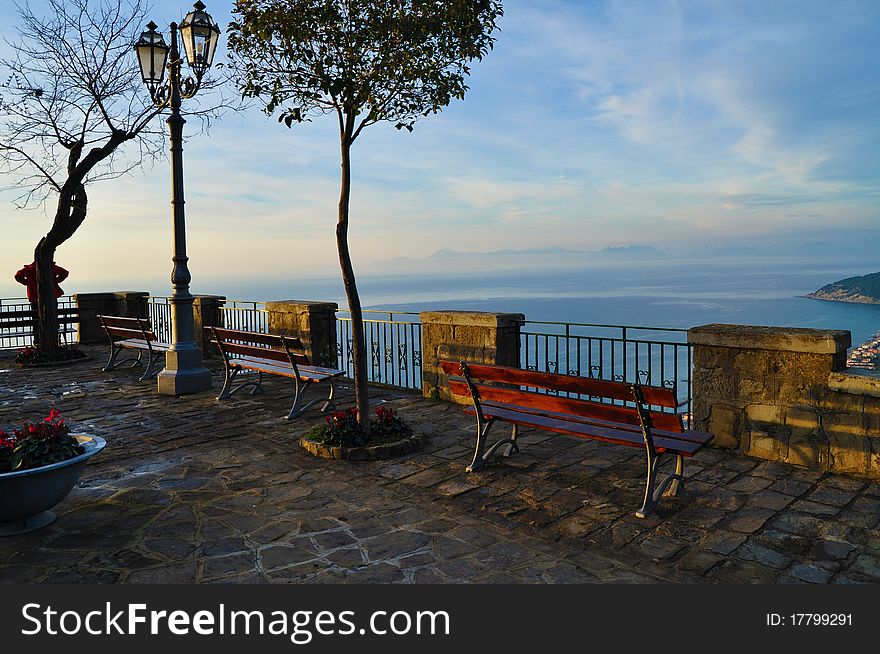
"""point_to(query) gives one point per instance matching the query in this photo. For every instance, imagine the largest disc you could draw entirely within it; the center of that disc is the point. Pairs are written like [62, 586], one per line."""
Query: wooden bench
[20, 324]
[132, 334]
[274, 355]
[551, 407]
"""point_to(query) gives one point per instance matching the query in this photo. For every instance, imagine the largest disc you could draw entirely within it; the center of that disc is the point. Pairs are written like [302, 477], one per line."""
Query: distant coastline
[864, 289]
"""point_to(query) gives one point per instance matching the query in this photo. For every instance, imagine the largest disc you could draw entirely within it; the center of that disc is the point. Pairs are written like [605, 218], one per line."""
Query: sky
[688, 126]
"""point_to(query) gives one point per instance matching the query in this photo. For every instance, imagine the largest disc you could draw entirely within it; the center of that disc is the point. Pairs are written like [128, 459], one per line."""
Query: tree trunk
[46, 325]
[359, 354]
[70, 214]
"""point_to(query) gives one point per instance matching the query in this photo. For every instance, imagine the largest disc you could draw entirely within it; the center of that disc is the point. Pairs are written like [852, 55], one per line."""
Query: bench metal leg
[153, 357]
[231, 373]
[300, 389]
[329, 403]
[298, 392]
[670, 485]
[480, 458]
[257, 385]
[113, 363]
[512, 445]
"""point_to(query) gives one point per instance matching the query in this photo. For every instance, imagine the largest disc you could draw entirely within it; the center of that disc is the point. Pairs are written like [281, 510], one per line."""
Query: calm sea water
[669, 295]
[650, 294]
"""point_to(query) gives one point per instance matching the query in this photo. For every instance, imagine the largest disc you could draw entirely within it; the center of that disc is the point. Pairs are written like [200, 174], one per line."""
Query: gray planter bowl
[26, 496]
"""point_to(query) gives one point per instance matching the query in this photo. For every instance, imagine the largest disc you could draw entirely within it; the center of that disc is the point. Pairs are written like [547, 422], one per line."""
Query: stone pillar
[765, 390]
[314, 323]
[206, 313]
[471, 336]
[130, 304]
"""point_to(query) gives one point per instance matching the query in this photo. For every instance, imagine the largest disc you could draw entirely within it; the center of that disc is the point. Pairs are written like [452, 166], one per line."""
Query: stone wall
[471, 336]
[314, 323]
[784, 394]
[129, 304]
[206, 313]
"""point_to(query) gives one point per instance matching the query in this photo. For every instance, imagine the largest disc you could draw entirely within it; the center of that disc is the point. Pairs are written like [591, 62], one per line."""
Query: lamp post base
[183, 374]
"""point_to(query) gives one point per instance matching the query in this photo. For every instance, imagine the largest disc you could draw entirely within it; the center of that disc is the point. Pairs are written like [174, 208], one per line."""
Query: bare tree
[72, 98]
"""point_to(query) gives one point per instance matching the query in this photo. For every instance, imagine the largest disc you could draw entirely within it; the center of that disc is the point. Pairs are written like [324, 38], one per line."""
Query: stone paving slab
[194, 490]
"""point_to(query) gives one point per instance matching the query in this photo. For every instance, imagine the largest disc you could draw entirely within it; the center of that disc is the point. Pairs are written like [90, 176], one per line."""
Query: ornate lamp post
[184, 372]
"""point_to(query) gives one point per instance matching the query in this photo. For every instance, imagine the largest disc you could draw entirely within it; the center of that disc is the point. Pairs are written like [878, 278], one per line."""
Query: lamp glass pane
[152, 56]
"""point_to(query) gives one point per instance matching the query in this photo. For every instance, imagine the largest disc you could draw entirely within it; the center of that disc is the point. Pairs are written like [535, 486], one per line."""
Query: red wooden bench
[632, 421]
[273, 355]
[132, 334]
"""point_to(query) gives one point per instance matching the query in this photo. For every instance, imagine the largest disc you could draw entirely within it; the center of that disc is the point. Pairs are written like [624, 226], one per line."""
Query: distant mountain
[864, 289]
[446, 252]
[631, 251]
[626, 251]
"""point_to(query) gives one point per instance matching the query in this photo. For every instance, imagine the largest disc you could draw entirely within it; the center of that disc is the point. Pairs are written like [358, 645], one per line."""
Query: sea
[680, 295]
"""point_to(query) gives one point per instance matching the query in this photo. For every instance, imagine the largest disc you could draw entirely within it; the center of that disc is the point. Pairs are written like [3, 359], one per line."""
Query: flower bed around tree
[343, 437]
[31, 356]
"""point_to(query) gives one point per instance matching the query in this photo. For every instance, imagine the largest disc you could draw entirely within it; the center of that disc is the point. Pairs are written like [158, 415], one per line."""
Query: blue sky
[681, 125]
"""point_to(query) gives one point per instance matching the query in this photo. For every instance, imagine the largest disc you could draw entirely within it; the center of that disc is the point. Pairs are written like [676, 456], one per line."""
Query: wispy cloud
[591, 124]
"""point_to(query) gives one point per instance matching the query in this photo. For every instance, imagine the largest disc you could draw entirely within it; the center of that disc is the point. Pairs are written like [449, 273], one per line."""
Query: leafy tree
[364, 61]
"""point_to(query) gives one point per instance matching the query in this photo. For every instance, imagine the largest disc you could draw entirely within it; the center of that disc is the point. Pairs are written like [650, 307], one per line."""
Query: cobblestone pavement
[195, 490]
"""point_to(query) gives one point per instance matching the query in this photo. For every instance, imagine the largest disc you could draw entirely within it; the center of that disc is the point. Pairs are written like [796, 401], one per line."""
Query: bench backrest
[120, 328]
[286, 349]
[26, 318]
[588, 386]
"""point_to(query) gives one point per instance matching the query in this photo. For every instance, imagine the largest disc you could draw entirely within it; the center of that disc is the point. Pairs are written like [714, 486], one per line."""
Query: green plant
[37, 444]
[342, 429]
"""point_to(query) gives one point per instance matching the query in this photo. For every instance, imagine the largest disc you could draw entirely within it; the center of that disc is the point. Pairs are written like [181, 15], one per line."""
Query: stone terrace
[195, 490]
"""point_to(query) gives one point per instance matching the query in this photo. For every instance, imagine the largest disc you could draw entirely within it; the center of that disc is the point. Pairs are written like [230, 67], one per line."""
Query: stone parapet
[129, 304]
[206, 313]
[782, 339]
[783, 394]
[472, 336]
[314, 323]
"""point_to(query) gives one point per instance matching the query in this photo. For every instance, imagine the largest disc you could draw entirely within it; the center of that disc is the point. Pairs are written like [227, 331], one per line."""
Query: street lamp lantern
[184, 371]
[200, 34]
[152, 53]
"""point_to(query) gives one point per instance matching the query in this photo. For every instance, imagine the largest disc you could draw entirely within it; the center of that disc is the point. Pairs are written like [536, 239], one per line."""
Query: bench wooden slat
[272, 340]
[613, 413]
[29, 313]
[698, 437]
[125, 333]
[255, 351]
[124, 322]
[10, 324]
[306, 373]
[654, 395]
[587, 430]
[140, 343]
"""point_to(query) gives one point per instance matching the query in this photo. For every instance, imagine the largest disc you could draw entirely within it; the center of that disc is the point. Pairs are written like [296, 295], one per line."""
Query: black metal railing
[394, 347]
[246, 315]
[657, 356]
[159, 313]
[14, 337]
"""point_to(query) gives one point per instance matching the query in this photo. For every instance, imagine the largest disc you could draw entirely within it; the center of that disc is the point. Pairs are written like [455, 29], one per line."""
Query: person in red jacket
[27, 277]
